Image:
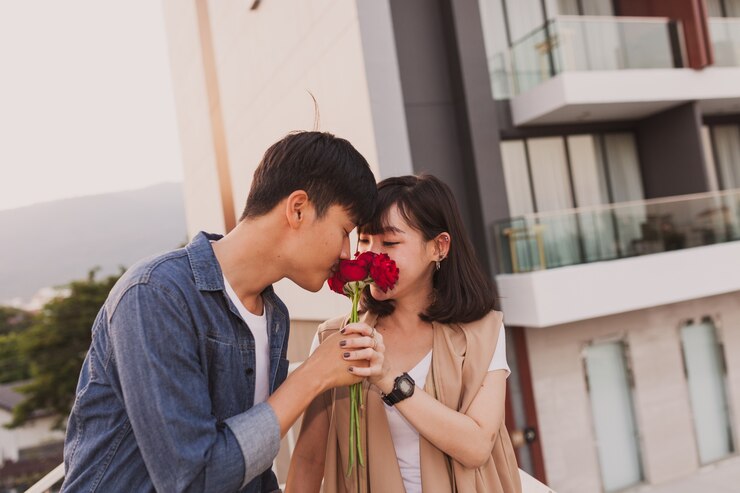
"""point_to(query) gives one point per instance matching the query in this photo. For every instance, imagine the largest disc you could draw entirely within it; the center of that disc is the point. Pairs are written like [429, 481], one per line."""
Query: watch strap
[396, 395]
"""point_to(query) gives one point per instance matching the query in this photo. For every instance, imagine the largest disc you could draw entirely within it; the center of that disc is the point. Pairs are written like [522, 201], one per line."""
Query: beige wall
[661, 399]
[200, 185]
[267, 60]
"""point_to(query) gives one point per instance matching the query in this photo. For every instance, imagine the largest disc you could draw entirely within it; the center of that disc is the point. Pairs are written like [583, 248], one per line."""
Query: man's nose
[345, 249]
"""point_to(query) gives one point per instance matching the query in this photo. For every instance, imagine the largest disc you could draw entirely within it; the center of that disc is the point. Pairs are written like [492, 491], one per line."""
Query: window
[550, 174]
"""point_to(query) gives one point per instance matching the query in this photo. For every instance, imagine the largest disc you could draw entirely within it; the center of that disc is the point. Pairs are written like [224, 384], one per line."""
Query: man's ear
[296, 208]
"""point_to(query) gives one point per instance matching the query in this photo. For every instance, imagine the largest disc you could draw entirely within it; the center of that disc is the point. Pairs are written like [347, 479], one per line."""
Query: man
[179, 390]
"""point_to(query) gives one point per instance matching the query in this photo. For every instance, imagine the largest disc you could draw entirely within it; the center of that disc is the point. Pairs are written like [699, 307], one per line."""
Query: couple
[185, 385]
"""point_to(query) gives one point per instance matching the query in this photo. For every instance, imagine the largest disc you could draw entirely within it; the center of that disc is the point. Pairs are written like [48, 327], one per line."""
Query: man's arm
[168, 403]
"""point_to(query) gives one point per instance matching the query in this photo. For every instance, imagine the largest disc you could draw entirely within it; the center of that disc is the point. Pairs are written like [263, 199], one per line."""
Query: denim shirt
[165, 396]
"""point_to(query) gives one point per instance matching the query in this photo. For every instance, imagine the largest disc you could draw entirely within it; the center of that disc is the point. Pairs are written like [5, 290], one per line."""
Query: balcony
[583, 263]
[585, 69]
[578, 43]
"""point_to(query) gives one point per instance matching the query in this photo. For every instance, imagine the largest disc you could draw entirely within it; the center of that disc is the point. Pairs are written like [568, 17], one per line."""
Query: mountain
[52, 243]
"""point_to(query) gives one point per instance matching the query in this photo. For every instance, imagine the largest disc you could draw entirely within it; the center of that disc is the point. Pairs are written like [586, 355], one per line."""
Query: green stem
[355, 398]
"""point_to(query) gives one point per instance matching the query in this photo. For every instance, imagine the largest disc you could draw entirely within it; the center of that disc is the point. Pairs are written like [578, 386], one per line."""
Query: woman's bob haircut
[461, 291]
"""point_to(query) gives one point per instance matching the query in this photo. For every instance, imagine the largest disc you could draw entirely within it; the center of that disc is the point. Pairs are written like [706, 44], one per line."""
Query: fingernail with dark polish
[343, 331]
[346, 355]
[342, 343]
[351, 368]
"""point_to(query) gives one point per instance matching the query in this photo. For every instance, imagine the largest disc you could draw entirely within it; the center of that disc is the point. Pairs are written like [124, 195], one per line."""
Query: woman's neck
[405, 316]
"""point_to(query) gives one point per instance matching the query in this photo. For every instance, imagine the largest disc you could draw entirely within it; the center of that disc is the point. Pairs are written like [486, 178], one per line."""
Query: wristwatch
[403, 388]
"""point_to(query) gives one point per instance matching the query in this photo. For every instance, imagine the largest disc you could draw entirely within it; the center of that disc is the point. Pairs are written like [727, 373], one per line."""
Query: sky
[86, 103]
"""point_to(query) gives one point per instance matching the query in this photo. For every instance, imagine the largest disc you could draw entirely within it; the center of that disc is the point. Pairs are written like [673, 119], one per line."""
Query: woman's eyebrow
[393, 229]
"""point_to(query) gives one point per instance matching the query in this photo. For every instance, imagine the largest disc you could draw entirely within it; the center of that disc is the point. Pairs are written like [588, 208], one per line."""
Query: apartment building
[594, 146]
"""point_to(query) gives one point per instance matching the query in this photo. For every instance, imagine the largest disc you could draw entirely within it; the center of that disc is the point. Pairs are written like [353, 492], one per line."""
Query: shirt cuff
[258, 433]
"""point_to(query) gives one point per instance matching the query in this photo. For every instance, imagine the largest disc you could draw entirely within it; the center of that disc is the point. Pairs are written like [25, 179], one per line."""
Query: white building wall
[661, 399]
[267, 62]
[200, 183]
[37, 432]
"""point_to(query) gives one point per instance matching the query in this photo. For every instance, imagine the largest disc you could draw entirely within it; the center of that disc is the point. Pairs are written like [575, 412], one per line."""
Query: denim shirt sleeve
[155, 349]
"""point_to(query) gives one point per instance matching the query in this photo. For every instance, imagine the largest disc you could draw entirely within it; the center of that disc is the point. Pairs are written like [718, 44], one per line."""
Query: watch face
[405, 386]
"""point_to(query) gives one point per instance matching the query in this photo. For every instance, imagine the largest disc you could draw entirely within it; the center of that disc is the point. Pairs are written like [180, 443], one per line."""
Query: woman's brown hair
[461, 291]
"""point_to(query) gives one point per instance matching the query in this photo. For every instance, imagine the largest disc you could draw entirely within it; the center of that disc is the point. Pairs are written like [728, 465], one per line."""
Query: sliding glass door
[705, 373]
[610, 392]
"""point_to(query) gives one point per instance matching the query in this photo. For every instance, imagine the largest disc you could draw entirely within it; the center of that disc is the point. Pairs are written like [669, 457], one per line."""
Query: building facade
[594, 147]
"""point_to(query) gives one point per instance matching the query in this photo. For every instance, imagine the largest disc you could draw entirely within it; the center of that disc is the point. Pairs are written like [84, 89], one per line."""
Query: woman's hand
[367, 344]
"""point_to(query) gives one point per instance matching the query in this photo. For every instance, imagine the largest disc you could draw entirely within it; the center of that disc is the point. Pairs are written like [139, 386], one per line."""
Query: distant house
[27, 452]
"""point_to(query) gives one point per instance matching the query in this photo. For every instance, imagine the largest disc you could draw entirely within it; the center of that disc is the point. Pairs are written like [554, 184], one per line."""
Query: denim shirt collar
[206, 269]
[209, 276]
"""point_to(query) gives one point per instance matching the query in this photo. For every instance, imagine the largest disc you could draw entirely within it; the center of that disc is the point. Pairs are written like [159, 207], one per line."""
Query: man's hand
[327, 368]
[346, 357]
[363, 346]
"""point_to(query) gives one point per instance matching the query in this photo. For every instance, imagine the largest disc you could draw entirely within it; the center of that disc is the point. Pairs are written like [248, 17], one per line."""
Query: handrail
[44, 484]
[593, 18]
[725, 20]
[626, 205]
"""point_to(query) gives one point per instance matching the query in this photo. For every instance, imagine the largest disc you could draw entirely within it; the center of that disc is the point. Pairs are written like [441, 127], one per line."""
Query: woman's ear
[442, 243]
[296, 207]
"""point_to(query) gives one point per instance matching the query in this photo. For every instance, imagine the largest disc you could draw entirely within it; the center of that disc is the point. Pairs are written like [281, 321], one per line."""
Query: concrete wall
[661, 399]
[672, 152]
[200, 182]
[267, 61]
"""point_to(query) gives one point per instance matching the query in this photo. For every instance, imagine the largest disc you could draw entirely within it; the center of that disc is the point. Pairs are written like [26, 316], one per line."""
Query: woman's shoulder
[489, 322]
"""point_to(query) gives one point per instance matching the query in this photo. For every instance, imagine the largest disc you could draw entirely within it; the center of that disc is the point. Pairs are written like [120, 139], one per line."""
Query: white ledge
[579, 292]
[573, 97]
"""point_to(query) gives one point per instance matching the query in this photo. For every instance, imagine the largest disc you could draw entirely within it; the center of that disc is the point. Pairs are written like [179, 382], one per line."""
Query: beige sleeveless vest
[461, 354]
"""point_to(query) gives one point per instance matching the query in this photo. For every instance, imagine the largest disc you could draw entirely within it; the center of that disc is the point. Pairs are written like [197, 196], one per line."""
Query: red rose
[336, 283]
[384, 272]
[364, 258]
[352, 270]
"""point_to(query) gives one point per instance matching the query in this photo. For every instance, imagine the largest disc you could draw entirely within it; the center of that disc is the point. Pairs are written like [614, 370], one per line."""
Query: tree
[13, 322]
[13, 367]
[56, 345]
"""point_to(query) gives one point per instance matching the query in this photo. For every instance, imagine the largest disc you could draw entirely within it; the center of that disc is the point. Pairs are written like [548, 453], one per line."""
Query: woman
[434, 419]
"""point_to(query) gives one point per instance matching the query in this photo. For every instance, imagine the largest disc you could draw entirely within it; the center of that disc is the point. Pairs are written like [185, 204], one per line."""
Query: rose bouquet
[350, 279]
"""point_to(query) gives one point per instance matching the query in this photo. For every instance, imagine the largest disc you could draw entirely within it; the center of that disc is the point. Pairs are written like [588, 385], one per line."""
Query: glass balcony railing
[581, 43]
[591, 234]
[725, 35]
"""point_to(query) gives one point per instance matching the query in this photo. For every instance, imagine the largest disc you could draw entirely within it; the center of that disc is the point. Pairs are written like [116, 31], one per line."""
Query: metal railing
[606, 232]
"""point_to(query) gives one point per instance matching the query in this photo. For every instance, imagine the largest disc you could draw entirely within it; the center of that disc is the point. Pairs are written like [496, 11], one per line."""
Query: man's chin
[312, 286]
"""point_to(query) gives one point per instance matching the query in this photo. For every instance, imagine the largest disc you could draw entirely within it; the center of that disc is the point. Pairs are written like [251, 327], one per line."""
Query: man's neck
[250, 260]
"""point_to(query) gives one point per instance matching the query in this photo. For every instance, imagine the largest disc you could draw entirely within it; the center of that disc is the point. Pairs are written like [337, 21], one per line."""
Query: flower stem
[355, 399]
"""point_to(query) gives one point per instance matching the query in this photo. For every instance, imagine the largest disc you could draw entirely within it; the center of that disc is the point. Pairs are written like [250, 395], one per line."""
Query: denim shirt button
[249, 371]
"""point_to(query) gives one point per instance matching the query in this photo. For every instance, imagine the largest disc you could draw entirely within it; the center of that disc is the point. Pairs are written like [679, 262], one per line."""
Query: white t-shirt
[404, 435]
[258, 326]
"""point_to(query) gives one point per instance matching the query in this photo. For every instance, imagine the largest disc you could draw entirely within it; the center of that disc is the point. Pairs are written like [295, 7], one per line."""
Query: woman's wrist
[386, 382]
